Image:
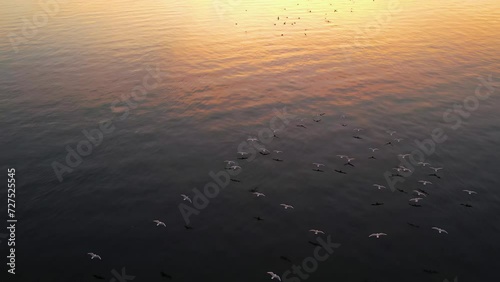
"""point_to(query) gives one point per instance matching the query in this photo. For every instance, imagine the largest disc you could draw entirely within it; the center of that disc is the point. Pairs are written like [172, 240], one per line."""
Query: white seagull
[404, 155]
[350, 159]
[435, 168]
[230, 162]
[318, 165]
[274, 275]
[419, 193]
[94, 256]
[277, 151]
[186, 198]
[398, 139]
[415, 200]
[252, 139]
[159, 222]
[377, 235]
[373, 149]
[316, 231]
[242, 153]
[391, 132]
[440, 230]
[379, 186]
[425, 182]
[258, 194]
[286, 206]
[358, 129]
[470, 192]
[423, 164]
[235, 167]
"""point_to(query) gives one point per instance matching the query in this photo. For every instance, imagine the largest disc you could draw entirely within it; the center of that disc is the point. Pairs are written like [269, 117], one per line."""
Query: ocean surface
[110, 110]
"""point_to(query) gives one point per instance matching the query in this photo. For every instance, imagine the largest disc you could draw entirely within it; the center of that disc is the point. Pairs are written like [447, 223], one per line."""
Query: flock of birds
[292, 20]
[420, 194]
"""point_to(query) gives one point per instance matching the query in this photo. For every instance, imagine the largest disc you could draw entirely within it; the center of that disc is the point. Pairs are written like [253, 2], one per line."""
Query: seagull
[318, 165]
[159, 222]
[425, 182]
[357, 129]
[235, 167]
[277, 152]
[342, 156]
[274, 275]
[230, 162]
[242, 153]
[391, 132]
[379, 186]
[470, 192]
[440, 230]
[252, 139]
[377, 235]
[316, 231]
[415, 200]
[404, 168]
[423, 164]
[286, 206]
[398, 139]
[435, 168]
[373, 149]
[94, 256]
[404, 155]
[419, 193]
[258, 194]
[264, 151]
[186, 198]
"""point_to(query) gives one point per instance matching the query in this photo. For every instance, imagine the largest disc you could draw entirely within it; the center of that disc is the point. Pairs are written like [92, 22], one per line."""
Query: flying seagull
[159, 222]
[258, 194]
[274, 275]
[415, 200]
[286, 206]
[316, 231]
[186, 198]
[423, 164]
[379, 186]
[419, 193]
[440, 230]
[318, 164]
[435, 168]
[277, 152]
[373, 149]
[377, 235]
[230, 162]
[94, 256]
[470, 192]
[425, 182]
[252, 139]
